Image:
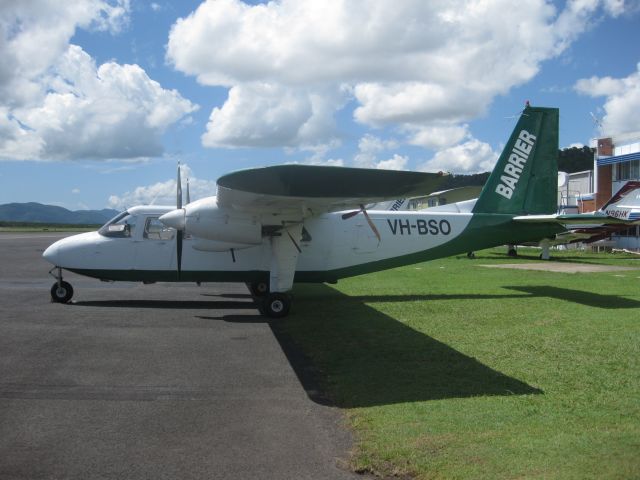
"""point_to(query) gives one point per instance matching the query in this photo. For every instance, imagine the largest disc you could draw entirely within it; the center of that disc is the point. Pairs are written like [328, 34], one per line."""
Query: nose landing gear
[61, 291]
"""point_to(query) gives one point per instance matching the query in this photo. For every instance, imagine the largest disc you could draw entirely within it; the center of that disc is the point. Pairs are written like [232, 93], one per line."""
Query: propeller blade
[179, 190]
[188, 196]
[375, 231]
[179, 251]
[346, 216]
[372, 225]
[180, 232]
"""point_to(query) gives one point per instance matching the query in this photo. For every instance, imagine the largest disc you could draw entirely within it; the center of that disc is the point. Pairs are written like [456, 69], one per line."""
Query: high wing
[313, 190]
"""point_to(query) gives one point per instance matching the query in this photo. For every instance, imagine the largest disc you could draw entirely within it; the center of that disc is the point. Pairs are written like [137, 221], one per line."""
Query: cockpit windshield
[122, 226]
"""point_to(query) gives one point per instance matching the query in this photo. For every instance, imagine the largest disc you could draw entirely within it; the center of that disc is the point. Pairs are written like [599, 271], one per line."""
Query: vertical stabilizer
[524, 181]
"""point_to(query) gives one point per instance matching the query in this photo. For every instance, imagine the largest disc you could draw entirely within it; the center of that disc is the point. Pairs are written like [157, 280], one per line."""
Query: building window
[622, 171]
[629, 232]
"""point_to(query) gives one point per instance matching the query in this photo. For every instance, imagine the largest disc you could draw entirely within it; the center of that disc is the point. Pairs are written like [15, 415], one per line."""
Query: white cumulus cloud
[436, 136]
[164, 193]
[409, 64]
[371, 147]
[57, 104]
[472, 156]
[622, 102]
[397, 162]
[269, 115]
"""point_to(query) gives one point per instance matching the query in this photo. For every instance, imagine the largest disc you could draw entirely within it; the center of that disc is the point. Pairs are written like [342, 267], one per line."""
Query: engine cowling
[205, 220]
[204, 245]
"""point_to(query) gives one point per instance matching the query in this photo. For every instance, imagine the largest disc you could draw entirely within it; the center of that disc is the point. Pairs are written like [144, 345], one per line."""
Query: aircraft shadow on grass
[377, 360]
[555, 259]
[590, 299]
[380, 361]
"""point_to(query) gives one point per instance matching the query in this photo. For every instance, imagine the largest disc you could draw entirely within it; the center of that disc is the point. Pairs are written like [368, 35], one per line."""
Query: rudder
[524, 181]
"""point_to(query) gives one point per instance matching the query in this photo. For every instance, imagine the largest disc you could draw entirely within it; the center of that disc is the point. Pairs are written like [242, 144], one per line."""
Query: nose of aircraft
[51, 254]
[174, 219]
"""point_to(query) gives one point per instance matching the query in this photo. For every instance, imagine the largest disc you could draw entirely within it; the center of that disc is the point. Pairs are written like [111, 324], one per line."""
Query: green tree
[575, 159]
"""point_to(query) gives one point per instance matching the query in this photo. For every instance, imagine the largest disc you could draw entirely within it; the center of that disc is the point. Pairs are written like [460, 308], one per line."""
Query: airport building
[616, 161]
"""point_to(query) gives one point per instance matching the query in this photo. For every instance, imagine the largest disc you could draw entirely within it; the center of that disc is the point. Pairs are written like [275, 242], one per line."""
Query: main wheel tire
[61, 293]
[276, 305]
[259, 289]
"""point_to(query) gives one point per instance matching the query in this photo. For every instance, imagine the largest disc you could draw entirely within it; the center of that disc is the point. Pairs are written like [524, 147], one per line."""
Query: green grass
[450, 370]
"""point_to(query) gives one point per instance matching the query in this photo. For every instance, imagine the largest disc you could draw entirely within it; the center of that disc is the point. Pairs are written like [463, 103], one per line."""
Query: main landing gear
[270, 304]
[258, 289]
[61, 291]
[275, 304]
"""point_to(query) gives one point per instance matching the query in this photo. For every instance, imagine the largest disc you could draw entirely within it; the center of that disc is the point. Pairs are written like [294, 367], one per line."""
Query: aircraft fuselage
[331, 247]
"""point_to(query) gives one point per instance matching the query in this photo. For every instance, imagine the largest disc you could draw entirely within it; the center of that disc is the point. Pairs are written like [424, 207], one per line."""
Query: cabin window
[154, 229]
[121, 226]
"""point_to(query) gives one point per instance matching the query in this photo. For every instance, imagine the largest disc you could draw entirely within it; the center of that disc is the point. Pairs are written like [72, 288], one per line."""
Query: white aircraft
[270, 227]
[619, 213]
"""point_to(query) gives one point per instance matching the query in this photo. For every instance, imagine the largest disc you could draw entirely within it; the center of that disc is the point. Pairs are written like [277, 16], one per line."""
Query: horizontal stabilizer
[595, 218]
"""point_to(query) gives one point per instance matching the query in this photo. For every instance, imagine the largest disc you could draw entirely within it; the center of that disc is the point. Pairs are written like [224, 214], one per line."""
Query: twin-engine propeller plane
[270, 227]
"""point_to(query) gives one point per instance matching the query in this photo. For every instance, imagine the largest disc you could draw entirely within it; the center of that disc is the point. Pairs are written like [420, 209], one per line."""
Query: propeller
[363, 210]
[177, 219]
[180, 235]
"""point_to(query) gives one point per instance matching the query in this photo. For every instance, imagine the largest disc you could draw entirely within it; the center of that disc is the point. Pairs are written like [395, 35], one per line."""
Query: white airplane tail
[625, 204]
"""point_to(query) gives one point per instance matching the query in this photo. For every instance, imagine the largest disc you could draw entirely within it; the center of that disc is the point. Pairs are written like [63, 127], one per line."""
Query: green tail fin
[525, 179]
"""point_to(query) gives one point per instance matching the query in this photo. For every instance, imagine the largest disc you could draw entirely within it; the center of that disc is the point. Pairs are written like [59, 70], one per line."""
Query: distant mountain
[37, 212]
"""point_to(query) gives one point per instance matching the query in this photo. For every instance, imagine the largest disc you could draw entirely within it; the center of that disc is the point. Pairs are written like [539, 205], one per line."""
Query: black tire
[258, 289]
[275, 305]
[61, 293]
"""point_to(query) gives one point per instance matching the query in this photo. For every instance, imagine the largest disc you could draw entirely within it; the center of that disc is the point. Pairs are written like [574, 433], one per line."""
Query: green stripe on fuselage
[483, 231]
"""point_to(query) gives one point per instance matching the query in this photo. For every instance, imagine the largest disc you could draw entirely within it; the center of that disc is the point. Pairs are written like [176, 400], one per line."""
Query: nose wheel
[61, 291]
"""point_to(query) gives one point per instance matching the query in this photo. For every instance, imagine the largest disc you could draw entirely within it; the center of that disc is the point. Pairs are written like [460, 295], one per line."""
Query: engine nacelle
[205, 220]
[204, 245]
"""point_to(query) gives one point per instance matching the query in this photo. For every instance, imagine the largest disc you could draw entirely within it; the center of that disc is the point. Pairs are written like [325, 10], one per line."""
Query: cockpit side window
[154, 229]
[121, 226]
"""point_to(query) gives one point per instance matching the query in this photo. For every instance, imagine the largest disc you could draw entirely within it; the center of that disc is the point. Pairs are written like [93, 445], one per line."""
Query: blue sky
[100, 98]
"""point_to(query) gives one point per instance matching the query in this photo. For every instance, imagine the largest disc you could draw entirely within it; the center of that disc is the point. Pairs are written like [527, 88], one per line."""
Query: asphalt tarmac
[163, 381]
